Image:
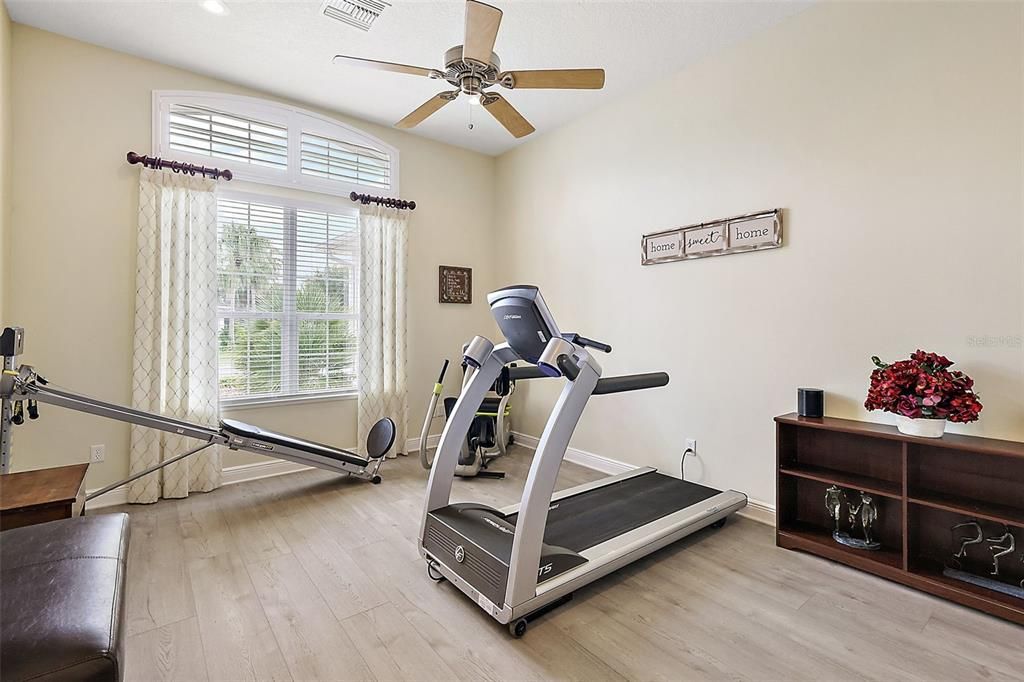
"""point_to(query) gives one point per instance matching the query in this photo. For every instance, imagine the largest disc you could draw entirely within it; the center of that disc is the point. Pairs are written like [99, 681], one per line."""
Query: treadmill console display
[524, 319]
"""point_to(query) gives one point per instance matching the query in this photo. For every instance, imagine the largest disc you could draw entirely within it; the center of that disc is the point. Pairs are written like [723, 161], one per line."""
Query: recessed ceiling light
[214, 6]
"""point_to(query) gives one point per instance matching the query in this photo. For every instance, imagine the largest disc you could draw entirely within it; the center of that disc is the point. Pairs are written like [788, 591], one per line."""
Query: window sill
[235, 404]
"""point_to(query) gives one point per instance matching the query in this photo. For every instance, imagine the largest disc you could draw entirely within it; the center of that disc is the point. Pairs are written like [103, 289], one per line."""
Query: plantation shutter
[250, 283]
[199, 130]
[288, 316]
[326, 270]
[331, 159]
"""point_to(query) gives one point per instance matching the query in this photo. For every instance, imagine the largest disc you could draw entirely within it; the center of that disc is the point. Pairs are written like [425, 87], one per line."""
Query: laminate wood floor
[311, 576]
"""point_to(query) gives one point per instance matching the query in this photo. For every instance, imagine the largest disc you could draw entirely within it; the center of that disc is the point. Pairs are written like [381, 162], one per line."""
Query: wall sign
[751, 232]
[454, 284]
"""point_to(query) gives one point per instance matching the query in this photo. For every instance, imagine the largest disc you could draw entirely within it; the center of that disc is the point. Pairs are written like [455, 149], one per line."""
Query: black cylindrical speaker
[810, 402]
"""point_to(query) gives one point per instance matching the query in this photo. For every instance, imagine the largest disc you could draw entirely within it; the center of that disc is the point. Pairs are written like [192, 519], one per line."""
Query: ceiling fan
[473, 68]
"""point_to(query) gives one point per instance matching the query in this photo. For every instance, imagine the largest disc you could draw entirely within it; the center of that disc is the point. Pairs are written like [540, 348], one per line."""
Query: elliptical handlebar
[425, 460]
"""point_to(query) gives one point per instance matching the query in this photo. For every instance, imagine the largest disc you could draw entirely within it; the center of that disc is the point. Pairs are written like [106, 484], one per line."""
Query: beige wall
[890, 133]
[5, 142]
[73, 244]
[892, 136]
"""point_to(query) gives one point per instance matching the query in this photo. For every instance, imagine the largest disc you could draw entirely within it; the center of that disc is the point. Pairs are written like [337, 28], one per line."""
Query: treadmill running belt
[594, 516]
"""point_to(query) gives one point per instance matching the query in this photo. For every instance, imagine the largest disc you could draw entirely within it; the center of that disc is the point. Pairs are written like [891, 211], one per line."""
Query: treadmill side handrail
[630, 382]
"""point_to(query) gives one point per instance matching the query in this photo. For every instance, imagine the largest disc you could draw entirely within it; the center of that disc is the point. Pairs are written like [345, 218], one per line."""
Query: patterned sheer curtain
[174, 368]
[382, 334]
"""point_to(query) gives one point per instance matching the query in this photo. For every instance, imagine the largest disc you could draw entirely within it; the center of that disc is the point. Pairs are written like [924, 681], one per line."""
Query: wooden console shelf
[875, 486]
[922, 487]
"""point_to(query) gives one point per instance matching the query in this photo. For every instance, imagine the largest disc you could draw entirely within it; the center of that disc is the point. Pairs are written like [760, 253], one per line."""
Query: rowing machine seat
[243, 430]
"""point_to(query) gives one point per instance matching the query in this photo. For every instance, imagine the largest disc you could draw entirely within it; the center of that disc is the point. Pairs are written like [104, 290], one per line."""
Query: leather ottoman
[62, 599]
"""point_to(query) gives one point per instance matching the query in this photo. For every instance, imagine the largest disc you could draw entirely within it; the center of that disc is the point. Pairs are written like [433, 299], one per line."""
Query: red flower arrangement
[923, 387]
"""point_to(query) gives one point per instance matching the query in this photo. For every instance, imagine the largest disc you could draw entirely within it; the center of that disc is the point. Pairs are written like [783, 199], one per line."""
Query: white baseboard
[762, 512]
[257, 470]
[114, 498]
[231, 475]
[413, 444]
[605, 465]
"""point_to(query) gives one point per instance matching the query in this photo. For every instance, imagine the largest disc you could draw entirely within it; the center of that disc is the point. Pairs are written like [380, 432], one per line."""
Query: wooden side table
[30, 497]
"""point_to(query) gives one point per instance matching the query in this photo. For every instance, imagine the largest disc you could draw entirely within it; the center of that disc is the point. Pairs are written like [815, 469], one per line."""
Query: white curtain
[382, 334]
[174, 369]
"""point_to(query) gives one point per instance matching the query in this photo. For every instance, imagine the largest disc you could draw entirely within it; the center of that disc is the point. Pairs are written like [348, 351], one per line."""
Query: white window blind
[207, 132]
[288, 287]
[337, 160]
[272, 143]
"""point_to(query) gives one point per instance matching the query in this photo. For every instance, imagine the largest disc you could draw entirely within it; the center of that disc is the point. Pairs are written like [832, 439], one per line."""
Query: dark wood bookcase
[923, 486]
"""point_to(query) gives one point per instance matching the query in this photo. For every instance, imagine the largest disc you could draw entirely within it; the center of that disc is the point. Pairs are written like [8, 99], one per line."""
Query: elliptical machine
[490, 432]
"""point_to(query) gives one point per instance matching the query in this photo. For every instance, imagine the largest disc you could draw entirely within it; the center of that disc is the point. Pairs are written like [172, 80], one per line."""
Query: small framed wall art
[750, 232]
[454, 284]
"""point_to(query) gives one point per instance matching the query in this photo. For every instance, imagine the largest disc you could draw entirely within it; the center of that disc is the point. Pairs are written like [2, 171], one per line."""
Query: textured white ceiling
[286, 48]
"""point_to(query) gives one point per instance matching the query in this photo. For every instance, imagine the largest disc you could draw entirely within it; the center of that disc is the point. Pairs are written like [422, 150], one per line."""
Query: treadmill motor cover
[475, 541]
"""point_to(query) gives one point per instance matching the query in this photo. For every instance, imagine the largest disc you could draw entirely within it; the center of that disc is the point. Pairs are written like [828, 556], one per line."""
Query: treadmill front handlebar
[630, 382]
[528, 372]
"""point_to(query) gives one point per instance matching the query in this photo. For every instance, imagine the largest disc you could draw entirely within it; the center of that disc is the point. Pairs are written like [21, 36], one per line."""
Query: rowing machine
[25, 386]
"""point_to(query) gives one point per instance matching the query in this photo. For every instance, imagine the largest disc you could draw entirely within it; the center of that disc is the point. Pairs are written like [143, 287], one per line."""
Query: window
[287, 268]
[272, 143]
[199, 130]
[288, 292]
[337, 160]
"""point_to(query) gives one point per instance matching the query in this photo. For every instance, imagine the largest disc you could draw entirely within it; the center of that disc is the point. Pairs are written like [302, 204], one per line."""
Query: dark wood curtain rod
[387, 201]
[155, 162]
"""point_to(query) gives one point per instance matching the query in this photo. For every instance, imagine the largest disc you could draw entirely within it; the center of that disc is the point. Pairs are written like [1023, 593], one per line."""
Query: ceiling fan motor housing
[470, 76]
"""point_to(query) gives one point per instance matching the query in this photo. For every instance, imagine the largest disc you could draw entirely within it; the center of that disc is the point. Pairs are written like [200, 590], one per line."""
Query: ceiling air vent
[358, 13]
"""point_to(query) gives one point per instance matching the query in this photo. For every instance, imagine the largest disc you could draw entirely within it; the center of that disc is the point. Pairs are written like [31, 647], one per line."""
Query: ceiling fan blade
[562, 79]
[482, 23]
[387, 66]
[426, 109]
[498, 107]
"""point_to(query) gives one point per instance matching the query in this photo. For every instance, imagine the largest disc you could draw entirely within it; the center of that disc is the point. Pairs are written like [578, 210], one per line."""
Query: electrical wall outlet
[97, 453]
[691, 445]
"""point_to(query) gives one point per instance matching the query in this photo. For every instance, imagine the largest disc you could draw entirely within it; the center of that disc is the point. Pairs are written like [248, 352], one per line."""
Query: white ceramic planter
[922, 428]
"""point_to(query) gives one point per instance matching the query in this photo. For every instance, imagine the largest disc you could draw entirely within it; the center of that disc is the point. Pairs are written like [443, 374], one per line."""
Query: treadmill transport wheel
[433, 573]
[517, 628]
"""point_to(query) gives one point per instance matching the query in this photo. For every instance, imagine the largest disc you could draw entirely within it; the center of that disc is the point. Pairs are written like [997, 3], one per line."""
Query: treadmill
[519, 561]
